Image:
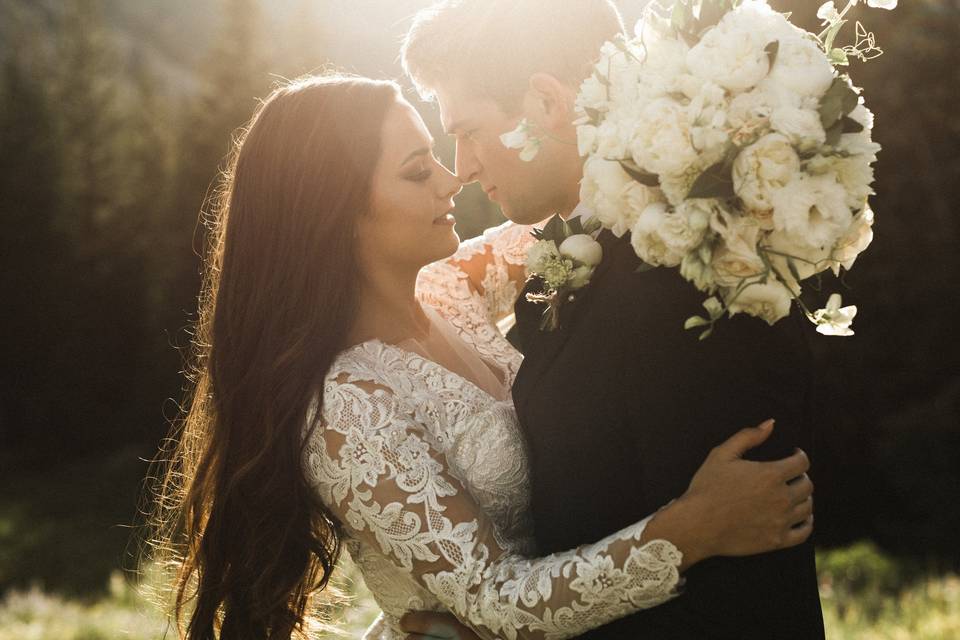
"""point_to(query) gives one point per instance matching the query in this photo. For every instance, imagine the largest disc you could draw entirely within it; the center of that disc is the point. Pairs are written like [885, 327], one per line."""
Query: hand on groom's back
[432, 625]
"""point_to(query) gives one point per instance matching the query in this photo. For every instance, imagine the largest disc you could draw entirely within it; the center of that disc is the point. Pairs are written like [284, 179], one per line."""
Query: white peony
[647, 240]
[683, 230]
[582, 248]
[603, 189]
[801, 66]
[882, 4]
[662, 139]
[663, 65]
[801, 126]
[769, 301]
[763, 168]
[732, 54]
[586, 139]
[812, 210]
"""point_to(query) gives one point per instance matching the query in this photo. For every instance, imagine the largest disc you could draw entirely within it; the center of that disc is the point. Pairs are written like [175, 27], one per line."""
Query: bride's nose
[449, 184]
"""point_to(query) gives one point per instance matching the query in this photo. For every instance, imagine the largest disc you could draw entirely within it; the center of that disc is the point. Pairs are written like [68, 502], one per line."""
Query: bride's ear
[549, 102]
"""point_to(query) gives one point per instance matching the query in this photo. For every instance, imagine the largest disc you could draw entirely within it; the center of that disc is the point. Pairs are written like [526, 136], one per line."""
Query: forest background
[114, 118]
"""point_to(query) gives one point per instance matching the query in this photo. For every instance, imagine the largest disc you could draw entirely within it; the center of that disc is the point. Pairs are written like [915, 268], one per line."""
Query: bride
[339, 401]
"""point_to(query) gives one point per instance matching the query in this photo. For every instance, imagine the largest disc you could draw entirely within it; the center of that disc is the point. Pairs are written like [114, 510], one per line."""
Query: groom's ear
[549, 101]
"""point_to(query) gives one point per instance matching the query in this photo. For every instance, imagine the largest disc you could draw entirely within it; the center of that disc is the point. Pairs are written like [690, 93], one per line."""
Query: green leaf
[593, 114]
[537, 233]
[553, 230]
[834, 133]
[706, 334]
[715, 182]
[593, 224]
[575, 225]
[838, 57]
[838, 101]
[772, 49]
[792, 265]
[695, 321]
[644, 267]
[850, 125]
[644, 178]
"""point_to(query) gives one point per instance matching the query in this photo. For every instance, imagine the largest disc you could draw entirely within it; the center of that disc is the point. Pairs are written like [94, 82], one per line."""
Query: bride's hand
[736, 507]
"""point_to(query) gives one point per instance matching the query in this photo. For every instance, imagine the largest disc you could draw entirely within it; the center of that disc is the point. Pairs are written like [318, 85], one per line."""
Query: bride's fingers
[800, 489]
[798, 534]
[800, 512]
[789, 468]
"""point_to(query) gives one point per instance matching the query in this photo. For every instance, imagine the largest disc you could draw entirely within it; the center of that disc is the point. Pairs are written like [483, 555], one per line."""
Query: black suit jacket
[621, 405]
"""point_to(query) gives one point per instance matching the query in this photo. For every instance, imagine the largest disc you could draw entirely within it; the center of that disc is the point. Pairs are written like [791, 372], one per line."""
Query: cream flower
[768, 301]
[764, 168]
[647, 240]
[541, 254]
[662, 139]
[583, 249]
[834, 320]
[521, 138]
[812, 210]
[857, 239]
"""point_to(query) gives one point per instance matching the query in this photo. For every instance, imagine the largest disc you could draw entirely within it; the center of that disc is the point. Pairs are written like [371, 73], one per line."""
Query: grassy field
[863, 599]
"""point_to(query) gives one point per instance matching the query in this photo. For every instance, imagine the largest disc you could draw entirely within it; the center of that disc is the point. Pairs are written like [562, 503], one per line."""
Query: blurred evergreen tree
[32, 252]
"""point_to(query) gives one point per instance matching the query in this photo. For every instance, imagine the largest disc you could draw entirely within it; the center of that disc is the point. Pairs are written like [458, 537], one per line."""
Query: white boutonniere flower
[564, 257]
[522, 138]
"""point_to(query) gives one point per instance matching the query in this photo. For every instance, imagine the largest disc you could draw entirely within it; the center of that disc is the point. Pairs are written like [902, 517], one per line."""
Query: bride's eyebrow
[422, 151]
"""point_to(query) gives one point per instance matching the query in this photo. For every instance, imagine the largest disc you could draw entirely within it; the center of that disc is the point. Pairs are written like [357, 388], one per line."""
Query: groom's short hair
[492, 47]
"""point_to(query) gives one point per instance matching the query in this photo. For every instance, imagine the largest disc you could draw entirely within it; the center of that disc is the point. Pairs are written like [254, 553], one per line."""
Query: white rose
[812, 210]
[647, 241]
[662, 138]
[801, 126]
[854, 242]
[736, 258]
[540, 254]
[763, 168]
[807, 261]
[768, 301]
[582, 248]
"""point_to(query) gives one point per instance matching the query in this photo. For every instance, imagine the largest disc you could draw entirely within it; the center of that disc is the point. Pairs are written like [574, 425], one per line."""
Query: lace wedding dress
[426, 470]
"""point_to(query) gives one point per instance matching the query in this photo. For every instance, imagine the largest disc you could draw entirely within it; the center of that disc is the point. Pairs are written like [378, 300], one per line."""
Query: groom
[620, 405]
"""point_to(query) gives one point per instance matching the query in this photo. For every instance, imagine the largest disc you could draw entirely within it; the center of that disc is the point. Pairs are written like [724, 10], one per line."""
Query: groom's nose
[466, 165]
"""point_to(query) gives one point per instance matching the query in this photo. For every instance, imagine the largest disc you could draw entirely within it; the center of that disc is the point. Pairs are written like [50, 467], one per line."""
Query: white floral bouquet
[724, 139]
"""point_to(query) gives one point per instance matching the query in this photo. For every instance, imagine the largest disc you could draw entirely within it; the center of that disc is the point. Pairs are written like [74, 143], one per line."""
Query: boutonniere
[564, 257]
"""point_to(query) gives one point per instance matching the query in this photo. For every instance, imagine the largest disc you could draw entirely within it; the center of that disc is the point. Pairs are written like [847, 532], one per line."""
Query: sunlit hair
[234, 517]
[490, 48]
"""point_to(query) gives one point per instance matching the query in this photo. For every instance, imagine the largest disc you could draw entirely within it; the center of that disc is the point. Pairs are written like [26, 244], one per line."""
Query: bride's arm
[489, 268]
[377, 469]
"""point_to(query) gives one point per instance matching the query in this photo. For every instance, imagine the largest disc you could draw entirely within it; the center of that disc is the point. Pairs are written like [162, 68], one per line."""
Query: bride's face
[410, 222]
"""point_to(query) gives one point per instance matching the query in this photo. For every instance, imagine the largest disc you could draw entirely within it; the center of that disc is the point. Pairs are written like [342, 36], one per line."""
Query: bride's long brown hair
[233, 514]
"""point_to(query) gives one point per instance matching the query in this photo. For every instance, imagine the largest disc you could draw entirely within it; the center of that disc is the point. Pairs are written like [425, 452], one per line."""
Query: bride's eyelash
[420, 176]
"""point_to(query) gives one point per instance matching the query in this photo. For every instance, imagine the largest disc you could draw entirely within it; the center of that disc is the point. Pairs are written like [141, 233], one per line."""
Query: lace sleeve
[383, 476]
[489, 268]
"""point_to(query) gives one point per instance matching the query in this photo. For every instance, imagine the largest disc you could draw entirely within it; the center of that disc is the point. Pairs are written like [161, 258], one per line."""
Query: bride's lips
[446, 219]
[490, 191]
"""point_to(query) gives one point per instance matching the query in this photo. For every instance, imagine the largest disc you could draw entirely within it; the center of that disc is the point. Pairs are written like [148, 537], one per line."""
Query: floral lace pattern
[429, 477]
[474, 306]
